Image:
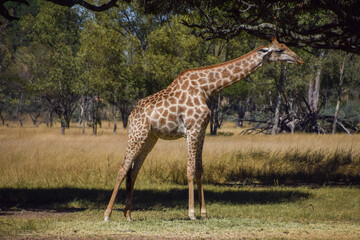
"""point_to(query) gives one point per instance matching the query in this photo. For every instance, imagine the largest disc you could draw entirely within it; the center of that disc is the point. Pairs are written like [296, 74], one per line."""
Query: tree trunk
[313, 95]
[114, 113]
[82, 115]
[83, 109]
[220, 116]
[240, 113]
[214, 107]
[87, 103]
[83, 126]
[314, 86]
[68, 120]
[2, 119]
[51, 119]
[125, 118]
[124, 108]
[34, 117]
[63, 125]
[19, 110]
[342, 67]
[275, 129]
[94, 117]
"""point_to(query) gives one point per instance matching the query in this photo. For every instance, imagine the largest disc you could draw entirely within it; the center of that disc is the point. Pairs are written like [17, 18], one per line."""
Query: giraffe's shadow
[61, 199]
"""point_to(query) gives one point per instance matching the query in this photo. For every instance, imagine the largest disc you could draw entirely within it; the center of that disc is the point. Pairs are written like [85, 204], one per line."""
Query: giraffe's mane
[220, 64]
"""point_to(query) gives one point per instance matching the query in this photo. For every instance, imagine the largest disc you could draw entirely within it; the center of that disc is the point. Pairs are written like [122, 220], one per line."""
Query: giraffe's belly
[168, 132]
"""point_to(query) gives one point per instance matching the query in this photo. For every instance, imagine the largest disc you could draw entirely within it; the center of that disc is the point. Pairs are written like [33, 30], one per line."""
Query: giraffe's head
[278, 52]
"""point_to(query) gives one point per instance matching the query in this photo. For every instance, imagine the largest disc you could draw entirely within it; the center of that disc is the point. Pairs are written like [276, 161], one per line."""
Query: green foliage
[123, 55]
[171, 50]
[101, 57]
[52, 25]
[48, 62]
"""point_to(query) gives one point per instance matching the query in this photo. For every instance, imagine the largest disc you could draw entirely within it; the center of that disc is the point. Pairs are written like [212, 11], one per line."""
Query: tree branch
[5, 13]
[71, 3]
[325, 24]
[68, 3]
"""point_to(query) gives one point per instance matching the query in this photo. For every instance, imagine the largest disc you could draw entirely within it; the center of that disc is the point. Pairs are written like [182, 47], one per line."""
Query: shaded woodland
[82, 64]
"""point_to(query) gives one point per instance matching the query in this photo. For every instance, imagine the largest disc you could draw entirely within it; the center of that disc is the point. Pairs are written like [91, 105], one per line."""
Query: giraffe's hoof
[106, 219]
[203, 216]
[192, 217]
[127, 215]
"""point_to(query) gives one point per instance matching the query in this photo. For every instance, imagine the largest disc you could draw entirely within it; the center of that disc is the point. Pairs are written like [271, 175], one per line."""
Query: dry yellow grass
[41, 157]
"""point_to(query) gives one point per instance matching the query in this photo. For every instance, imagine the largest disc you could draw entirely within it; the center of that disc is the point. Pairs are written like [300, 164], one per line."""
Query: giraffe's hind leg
[133, 172]
[195, 142]
[136, 147]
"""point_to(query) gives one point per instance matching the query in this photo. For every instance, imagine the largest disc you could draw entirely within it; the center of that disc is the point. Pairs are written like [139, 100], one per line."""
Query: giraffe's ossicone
[180, 110]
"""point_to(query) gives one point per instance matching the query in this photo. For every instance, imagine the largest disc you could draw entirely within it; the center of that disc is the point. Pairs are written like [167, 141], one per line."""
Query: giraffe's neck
[215, 78]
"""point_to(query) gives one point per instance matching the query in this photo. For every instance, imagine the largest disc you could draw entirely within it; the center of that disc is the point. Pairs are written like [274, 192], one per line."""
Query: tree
[135, 28]
[48, 63]
[341, 80]
[54, 56]
[170, 51]
[13, 91]
[12, 96]
[103, 61]
[325, 24]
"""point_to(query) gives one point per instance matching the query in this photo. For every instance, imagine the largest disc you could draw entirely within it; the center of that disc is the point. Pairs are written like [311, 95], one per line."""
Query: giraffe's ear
[263, 50]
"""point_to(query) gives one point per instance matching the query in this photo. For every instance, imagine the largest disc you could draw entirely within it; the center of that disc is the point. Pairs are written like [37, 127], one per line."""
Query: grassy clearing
[58, 186]
[245, 212]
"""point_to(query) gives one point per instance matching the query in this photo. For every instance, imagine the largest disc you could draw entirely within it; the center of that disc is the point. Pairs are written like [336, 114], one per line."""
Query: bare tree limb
[71, 3]
[68, 3]
[343, 127]
[5, 13]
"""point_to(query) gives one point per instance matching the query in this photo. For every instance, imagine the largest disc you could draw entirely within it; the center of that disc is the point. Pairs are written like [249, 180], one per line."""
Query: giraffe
[180, 110]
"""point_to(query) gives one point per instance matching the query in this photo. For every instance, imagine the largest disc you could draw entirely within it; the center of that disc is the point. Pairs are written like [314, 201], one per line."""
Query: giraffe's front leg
[199, 170]
[198, 175]
[190, 177]
[191, 144]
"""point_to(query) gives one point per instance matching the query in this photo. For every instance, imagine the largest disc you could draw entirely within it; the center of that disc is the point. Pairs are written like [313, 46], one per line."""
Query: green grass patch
[161, 211]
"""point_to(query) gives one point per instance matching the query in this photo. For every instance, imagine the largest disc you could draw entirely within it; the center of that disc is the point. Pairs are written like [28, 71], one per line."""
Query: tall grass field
[300, 186]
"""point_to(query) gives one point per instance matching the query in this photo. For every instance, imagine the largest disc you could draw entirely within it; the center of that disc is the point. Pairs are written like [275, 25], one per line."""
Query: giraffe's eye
[263, 50]
[280, 51]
